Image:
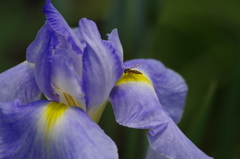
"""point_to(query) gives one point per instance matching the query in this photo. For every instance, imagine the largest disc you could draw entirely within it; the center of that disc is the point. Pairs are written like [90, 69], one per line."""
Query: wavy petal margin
[169, 86]
[19, 82]
[136, 105]
[64, 37]
[172, 143]
[45, 129]
[60, 27]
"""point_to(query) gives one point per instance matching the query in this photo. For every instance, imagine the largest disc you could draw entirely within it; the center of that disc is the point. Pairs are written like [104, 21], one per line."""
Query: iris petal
[60, 26]
[172, 143]
[43, 71]
[152, 154]
[136, 105]
[19, 82]
[44, 129]
[115, 41]
[101, 66]
[65, 79]
[60, 34]
[57, 77]
[40, 42]
[170, 87]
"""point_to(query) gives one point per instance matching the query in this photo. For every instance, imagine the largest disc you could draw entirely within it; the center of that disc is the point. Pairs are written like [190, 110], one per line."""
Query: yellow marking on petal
[53, 113]
[49, 123]
[132, 77]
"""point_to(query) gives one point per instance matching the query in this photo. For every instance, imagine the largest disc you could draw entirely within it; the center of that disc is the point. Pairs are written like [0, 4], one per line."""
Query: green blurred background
[198, 39]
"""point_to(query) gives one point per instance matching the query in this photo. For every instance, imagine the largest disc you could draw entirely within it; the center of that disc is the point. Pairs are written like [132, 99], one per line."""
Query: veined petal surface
[172, 143]
[56, 75]
[66, 37]
[45, 129]
[43, 70]
[56, 27]
[115, 41]
[19, 82]
[136, 105]
[102, 66]
[169, 86]
[65, 79]
[60, 26]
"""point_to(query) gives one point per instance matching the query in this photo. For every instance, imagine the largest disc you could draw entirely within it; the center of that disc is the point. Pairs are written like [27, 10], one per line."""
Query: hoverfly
[129, 70]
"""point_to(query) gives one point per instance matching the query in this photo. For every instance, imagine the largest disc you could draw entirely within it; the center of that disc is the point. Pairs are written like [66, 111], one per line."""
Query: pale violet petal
[101, 66]
[40, 42]
[65, 79]
[62, 36]
[45, 129]
[43, 71]
[170, 87]
[57, 77]
[115, 41]
[19, 82]
[136, 105]
[152, 154]
[60, 26]
[172, 143]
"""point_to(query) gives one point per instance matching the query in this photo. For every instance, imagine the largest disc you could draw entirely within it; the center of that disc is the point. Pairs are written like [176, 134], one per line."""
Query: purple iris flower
[79, 73]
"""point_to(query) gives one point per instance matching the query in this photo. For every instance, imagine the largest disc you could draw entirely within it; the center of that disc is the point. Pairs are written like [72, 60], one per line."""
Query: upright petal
[56, 27]
[46, 129]
[19, 82]
[65, 79]
[115, 41]
[43, 71]
[39, 43]
[136, 105]
[59, 61]
[101, 67]
[170, 87]
[57, 77]
[60, 26]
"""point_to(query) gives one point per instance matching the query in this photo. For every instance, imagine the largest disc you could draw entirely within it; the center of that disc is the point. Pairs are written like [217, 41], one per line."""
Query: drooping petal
[115, 41]
[172, 143]
[170, 87]
[152, 154]
[19, 82]
[46, 129]
[101, 66]
[136, 105]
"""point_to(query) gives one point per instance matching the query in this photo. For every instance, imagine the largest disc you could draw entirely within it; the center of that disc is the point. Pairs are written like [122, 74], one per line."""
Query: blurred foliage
[198, 39]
